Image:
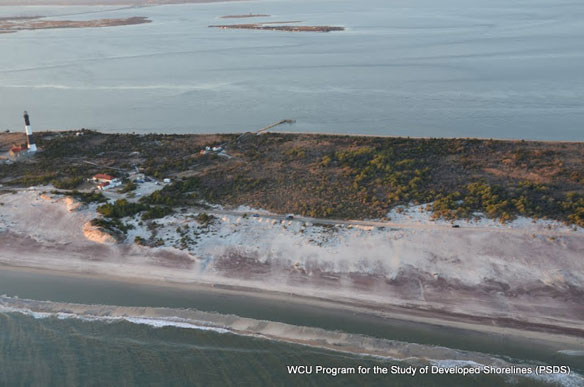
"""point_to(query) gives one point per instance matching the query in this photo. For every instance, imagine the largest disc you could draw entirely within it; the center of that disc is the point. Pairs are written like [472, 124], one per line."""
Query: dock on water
[262, 130]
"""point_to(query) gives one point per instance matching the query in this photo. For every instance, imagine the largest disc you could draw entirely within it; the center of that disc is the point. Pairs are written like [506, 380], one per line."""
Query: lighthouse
[29, 139]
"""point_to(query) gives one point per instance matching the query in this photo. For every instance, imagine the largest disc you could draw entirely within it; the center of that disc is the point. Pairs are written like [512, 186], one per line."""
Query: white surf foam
[570, 352]
[354, 344]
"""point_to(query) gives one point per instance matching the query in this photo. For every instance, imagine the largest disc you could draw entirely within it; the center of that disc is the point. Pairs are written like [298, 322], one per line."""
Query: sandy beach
[522, 280]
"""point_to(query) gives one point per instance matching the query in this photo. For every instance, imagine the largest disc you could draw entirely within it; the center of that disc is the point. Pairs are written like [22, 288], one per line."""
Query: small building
[17, 151]
[166, 181]
[106, 181]
[102, 178]
[138, 178]
[109, 184]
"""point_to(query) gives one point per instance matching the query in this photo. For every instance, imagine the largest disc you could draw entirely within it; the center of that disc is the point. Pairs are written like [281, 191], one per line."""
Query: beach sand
[526, 283]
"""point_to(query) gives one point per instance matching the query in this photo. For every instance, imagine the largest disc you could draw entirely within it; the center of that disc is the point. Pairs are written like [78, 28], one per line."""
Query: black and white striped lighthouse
[29, 139]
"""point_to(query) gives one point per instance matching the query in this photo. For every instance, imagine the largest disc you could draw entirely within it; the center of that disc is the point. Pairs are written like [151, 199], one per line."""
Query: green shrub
[120, 209]
[68, 183]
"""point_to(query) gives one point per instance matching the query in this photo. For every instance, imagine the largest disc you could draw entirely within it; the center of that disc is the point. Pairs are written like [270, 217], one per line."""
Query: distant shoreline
[21, 24]
[326, 134]
[398, 136]
[106, 2]
[251, 15]
[285, 28]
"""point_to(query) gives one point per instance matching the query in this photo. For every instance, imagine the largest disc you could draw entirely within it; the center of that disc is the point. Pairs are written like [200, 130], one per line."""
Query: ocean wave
[155, 323]
[354, 344]
[450, 363]
[571, 380]
[165, 323]
[570, 352]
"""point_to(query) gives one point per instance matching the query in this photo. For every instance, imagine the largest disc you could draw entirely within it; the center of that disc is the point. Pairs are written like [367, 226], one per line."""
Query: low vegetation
[114, 227]
[321, 175]
[68, 182]
[205, 219]
[122, 208]
[130, 186]
[84, 197]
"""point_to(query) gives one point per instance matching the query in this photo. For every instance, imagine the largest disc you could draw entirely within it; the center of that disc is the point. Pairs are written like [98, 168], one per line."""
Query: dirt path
[388, 224]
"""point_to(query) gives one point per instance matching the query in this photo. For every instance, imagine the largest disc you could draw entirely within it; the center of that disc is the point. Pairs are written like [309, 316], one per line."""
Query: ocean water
[64, 331]
[484, 68]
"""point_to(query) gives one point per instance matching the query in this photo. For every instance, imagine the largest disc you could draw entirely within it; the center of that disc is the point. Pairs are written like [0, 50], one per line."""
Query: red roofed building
[102, 178]
[102, 186]
[17, 151]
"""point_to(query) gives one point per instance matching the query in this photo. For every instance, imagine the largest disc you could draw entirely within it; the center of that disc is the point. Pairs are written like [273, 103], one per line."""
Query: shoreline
[558, 338]
[137, 3]
[513, 140]
[282, 28]
[38, 23]
[325, 134]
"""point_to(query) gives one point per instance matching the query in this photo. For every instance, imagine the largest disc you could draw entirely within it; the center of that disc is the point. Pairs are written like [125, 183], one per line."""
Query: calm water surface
[486, 68]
